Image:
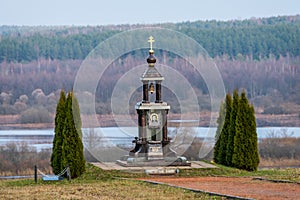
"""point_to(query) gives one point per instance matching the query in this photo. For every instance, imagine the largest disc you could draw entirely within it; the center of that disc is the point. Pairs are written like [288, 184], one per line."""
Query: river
[42, 139]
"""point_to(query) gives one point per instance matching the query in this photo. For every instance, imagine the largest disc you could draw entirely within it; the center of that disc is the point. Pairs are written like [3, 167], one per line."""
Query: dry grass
[93, 184]
[114, 189]
[279, 163]
[25, 172]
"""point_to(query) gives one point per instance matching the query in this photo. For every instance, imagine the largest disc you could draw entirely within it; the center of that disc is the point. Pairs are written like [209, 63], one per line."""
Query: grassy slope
[96, 183]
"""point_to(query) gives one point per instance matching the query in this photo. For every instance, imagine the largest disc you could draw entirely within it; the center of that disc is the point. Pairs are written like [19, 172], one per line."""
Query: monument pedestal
[152, 153]
[155, 151]
[141, 161]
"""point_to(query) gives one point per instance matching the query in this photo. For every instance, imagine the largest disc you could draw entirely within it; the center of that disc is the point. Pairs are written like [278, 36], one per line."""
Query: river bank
[10, 122]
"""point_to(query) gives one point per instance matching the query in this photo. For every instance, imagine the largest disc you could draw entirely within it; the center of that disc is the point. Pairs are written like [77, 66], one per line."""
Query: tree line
[272, 84]
[258, 38]
[61, 47]
[255, 37]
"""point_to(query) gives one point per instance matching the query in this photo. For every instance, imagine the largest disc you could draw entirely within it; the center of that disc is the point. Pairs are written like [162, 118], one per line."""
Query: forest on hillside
[258, 38]
[260, 55]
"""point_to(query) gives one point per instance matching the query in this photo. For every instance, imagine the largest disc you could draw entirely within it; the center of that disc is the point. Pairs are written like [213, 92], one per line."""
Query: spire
[151, 73]
[151, 59]
[151, 40]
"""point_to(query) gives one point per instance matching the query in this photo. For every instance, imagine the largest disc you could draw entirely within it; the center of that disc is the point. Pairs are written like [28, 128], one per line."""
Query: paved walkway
[115, 166]
[233, 187]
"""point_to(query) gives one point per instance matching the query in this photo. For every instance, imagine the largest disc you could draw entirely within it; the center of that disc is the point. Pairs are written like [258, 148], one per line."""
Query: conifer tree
[238, 157]
[254, 140]
[245, 154]
[72, 147]
[57, 141]
[230, 143]
[220, 122]
[225, 131]
[76, 115]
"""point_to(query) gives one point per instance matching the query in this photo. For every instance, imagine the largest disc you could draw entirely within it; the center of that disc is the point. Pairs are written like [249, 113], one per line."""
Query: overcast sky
[99, 12]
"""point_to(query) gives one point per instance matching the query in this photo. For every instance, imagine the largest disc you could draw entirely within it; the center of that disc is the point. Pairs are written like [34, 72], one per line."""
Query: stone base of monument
[153, 162]
[155, 152]
[154, 157]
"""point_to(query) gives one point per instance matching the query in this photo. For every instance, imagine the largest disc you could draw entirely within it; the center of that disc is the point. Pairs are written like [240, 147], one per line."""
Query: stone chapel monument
[152, 146]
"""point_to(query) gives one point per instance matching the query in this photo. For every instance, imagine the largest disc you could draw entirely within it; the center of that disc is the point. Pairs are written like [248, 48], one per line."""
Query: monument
[152, 146]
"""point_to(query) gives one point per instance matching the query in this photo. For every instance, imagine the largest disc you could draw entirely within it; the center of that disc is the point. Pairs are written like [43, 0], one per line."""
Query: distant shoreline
[10, 122]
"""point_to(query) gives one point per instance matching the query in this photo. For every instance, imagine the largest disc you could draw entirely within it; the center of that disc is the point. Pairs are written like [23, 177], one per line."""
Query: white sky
[103, 12]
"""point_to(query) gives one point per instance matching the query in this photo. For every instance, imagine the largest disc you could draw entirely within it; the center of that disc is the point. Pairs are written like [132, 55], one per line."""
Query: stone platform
[142, 169]
[152, 163]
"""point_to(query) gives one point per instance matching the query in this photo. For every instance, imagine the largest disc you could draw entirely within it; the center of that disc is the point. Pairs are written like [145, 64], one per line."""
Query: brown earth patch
[242, 187]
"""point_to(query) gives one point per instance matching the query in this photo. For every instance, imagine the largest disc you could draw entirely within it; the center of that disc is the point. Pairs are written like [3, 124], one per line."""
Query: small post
[68, 172]
[35, 173]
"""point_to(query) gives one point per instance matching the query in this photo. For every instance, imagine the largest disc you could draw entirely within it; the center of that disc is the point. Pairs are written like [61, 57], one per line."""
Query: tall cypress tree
[254, 140]
[225, 131]
[57, 141]
[72, 147]
[245, 154]
[78, 125]
[220, 122]
[76, 115]
[238, 157]
[230, 144]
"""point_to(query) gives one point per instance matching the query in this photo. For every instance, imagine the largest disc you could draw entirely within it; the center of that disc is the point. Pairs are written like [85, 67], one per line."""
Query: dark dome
[151, 59]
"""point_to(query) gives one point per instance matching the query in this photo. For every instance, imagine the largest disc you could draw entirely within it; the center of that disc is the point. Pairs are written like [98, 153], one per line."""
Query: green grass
[292, 174]
[96, 183]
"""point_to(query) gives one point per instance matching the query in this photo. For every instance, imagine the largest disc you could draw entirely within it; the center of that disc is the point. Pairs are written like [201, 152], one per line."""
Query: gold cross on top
[151, 40]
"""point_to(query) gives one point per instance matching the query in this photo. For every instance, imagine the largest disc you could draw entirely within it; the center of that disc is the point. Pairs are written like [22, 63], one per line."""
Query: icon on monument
[154, 120]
